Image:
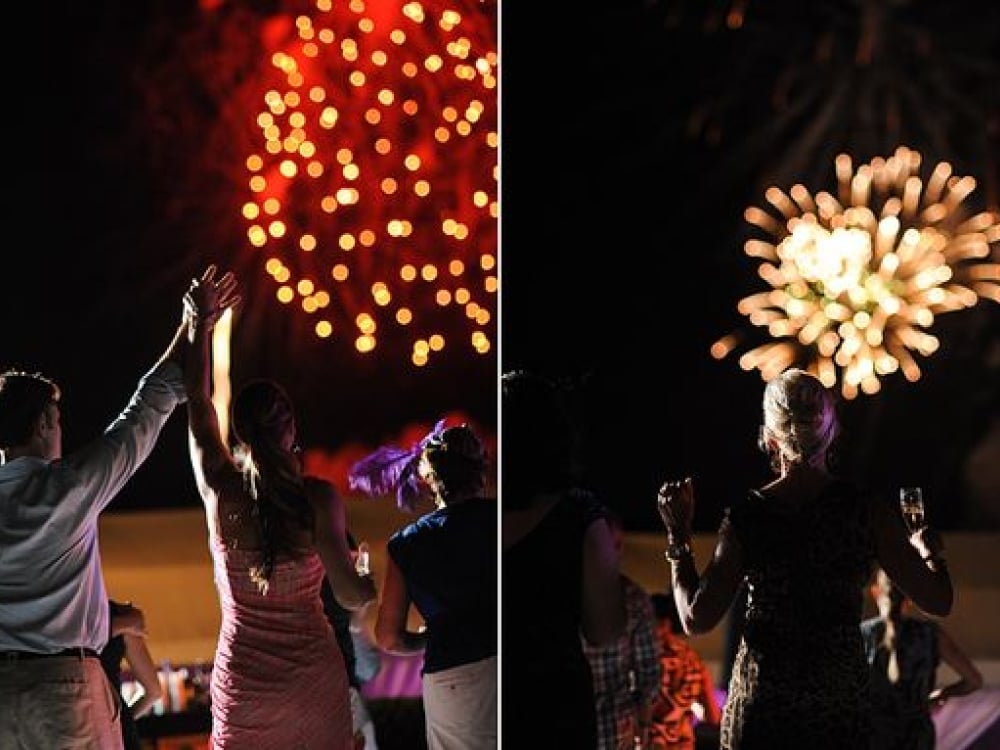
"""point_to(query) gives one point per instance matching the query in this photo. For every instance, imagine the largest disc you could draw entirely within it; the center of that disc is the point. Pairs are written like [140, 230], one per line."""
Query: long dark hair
[263, 416]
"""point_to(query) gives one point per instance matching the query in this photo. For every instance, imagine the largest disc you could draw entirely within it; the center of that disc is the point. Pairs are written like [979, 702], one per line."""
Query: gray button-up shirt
[52, 593]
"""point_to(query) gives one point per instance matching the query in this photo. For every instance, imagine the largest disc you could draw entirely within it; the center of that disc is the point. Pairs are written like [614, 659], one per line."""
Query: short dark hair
[23, 398]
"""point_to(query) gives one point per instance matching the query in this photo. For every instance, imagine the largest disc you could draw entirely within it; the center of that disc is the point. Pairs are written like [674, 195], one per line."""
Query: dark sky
[125, 179]
[635, 134]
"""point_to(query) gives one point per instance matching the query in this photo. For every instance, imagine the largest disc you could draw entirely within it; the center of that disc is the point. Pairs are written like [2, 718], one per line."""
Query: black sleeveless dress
[111, 660]
[800, 678]
[548, 694]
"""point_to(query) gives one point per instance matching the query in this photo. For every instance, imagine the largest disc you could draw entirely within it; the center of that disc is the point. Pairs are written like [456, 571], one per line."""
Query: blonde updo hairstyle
[800, 417]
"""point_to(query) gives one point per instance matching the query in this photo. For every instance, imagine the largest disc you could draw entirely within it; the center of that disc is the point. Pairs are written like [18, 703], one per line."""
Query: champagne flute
[911, 503]
[361, 562]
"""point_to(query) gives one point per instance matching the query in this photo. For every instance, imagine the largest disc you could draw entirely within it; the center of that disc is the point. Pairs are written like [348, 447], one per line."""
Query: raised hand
[208, 297]
[675, 503]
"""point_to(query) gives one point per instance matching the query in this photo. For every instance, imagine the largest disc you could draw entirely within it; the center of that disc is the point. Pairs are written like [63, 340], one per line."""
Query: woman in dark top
[128, 642]
[560, 574]
[804, 545]
[445, 565]
[904, 652]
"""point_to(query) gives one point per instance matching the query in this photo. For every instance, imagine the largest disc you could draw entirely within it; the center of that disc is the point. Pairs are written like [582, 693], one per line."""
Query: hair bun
[462, 442]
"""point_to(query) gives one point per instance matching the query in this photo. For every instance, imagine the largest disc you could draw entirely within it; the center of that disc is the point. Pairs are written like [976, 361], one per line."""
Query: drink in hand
[911, 503]
[361, 562]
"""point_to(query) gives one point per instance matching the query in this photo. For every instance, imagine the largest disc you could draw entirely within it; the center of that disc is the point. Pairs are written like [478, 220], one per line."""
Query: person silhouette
[275, 533]
[626, 672]
[560, 572]
[127, 644]
[803, 545]
[54, 616]
[444, 564]
[904, 651]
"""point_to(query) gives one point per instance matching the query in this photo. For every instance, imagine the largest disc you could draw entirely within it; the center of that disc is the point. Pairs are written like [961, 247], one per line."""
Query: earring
[774, 458]
[773, 454]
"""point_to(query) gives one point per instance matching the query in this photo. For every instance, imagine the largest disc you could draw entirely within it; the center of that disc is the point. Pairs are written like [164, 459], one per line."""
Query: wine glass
[911, 503]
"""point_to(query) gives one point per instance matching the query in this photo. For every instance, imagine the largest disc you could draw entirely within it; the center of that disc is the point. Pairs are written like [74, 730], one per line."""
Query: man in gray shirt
[54, 613]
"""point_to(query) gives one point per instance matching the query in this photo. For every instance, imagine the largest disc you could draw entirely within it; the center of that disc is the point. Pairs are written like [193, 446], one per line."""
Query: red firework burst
[373, 179]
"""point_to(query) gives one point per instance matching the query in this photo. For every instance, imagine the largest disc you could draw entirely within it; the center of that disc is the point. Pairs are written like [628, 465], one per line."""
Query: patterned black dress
[800, 678]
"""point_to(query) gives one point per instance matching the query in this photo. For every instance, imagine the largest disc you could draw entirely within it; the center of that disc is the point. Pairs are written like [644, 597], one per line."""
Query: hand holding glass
[911, 503]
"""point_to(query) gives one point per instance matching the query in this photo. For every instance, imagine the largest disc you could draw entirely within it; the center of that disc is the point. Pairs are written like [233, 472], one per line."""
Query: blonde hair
[800, 415]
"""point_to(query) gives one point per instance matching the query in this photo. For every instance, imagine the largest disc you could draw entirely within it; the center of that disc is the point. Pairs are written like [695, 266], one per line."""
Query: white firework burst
[857, 279]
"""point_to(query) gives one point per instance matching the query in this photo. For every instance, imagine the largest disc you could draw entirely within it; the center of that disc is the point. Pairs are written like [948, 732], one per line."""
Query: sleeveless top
[548, 693]
[448, 559]
[800, 678]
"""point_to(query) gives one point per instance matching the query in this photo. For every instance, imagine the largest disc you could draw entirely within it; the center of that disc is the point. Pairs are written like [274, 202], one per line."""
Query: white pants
[460, 707]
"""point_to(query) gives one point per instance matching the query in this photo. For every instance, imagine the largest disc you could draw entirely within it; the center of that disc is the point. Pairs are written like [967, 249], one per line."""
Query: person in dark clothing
[347, 626]
[904, 651]
[127, 643]
[444, 565]
[804, 545]
[561, 575]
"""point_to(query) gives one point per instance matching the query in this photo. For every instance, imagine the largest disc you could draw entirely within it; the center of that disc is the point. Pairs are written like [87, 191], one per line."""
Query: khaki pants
[460, 707]
[58, 703]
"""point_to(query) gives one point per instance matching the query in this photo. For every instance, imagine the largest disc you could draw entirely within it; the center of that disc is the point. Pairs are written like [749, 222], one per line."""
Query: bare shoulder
[319, 488]
[322, 494]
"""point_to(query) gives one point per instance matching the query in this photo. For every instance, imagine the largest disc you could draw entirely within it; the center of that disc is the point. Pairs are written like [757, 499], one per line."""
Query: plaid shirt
[626, 673]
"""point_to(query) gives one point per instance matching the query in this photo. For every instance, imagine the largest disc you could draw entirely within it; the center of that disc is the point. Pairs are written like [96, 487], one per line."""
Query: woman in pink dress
[279, 680]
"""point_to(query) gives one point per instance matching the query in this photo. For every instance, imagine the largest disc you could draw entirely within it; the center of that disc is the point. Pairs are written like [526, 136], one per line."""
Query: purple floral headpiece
[390, 468]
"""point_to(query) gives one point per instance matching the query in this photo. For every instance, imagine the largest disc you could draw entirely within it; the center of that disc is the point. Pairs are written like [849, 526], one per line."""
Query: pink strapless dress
[279, 680]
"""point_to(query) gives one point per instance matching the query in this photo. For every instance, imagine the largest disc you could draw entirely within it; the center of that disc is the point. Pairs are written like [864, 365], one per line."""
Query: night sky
[125, 148]
[648, 129]
[633, 136]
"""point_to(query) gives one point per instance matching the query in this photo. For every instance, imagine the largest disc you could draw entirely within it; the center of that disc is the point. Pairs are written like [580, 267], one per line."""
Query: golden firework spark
[858, 279]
